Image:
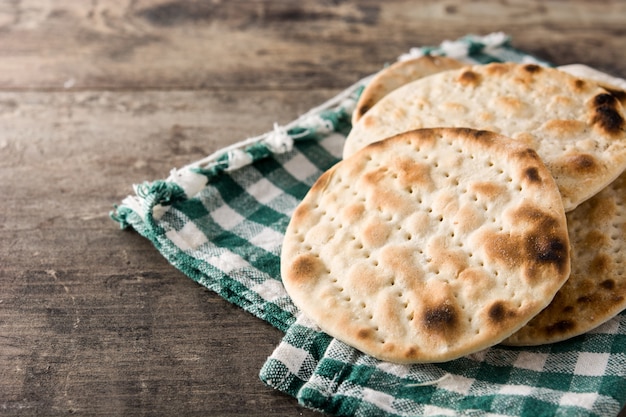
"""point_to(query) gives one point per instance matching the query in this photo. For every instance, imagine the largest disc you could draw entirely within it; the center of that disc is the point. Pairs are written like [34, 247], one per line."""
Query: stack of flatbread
[475, 205]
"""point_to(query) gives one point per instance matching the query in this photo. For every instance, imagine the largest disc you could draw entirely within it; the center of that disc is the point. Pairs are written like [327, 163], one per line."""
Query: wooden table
[98, 95]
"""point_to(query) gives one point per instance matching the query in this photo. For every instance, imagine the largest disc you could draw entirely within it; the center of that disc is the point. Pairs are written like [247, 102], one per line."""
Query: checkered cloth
[221, 221]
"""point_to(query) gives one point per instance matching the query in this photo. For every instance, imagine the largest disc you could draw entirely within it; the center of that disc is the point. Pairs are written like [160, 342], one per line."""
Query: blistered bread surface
[428, 245]
[577, 127]
[596, 289]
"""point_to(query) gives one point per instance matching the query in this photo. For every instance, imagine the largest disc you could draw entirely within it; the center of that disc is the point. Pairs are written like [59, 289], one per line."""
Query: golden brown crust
[596, 288]
[577, 127]
[606, 115]
[469, 78]
[428, 245]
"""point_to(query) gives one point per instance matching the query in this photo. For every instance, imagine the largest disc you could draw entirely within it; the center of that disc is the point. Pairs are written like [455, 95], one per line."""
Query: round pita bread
[398, 74]
[596, 289]
[429, 245]
[577, 127]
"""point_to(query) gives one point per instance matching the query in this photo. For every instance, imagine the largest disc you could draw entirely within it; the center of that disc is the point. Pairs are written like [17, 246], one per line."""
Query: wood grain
[92, 319]
[96, 96]
[150, 44]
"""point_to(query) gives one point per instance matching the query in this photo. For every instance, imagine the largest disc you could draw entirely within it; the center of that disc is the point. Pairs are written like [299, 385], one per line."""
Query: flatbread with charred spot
[596, 289]
[428, 245]
[577, 127]
[615, 86]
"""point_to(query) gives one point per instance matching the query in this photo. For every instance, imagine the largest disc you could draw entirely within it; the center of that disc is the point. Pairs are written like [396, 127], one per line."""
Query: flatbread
[577, 127]
[614, 85]
[429, 245]
[596, 289]
[398, 74]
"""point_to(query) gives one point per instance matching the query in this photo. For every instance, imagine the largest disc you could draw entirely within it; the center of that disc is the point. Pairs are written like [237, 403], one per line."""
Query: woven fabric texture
[221, 221]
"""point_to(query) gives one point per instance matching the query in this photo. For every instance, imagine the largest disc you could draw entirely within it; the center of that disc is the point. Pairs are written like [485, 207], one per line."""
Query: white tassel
[278, 141]
[348, 105]
[413, 53]
[188, 180]
[494, 39]
[455, 49]
[237, 158]
[135, 204]
[317, 123]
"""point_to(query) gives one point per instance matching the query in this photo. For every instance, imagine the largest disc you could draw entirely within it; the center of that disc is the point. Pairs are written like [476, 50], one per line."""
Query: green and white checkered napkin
[221, 222]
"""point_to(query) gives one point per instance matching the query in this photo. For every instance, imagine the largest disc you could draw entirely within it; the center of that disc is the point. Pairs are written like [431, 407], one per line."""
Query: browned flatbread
[577, 127]
[398, 74]
[429, 245]
[615, 86]
[596, 289]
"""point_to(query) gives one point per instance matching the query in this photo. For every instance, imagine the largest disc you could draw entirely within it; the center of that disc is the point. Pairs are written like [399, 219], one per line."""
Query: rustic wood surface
[98, 95]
